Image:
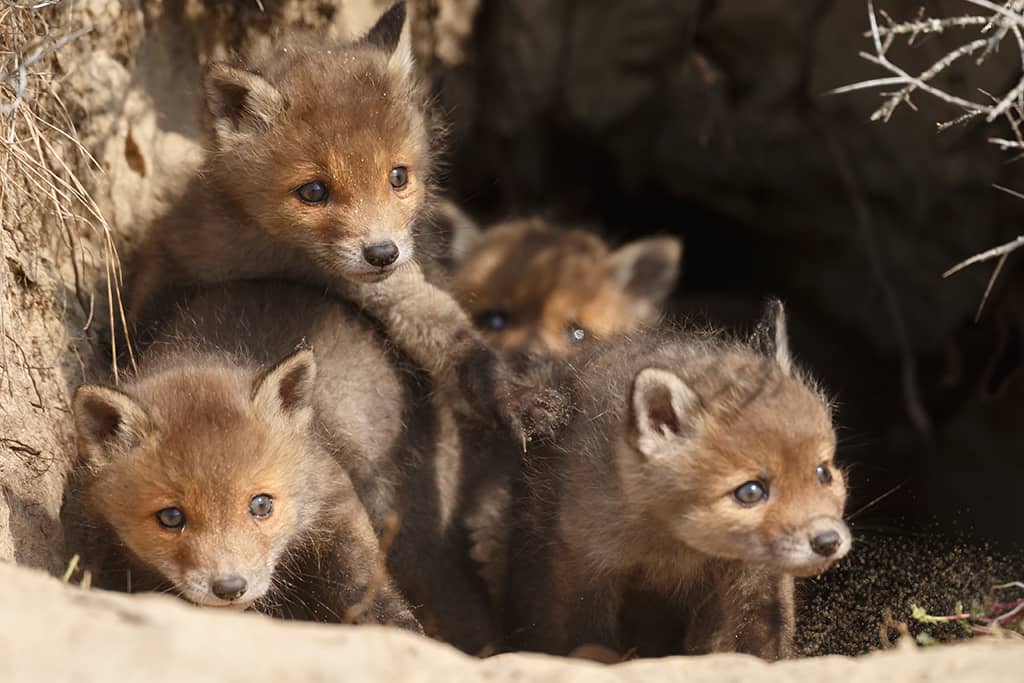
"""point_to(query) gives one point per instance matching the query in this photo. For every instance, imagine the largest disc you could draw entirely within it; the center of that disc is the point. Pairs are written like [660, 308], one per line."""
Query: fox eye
[824, 474]
[261, 506]
[171, 518]
[751, 493]
[576, 333]
[494, 321]
[312, 193]
[399, 177]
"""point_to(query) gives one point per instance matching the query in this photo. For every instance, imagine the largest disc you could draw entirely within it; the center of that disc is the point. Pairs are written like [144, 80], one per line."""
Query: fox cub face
[204, 474]
[742, 472]
[326, 148]
[531, 287]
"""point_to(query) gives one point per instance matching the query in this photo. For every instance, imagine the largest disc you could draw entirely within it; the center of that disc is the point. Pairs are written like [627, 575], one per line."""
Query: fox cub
[318, 171]
[529, 286]
[695, 480]
[207, 475]
[318, 168]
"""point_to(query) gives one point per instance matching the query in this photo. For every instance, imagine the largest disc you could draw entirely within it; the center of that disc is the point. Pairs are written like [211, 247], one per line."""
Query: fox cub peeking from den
[318, 168]
[529, 286]
[695, 480]
[203, 477]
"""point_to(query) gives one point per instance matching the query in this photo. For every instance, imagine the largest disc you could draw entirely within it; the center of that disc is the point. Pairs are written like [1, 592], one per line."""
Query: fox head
[531, 287]
[735, 459]
[326, 148]
[205, 474]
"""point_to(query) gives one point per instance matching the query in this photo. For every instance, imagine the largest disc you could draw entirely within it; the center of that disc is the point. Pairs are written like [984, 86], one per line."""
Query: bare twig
[994, 26]
[995, 252]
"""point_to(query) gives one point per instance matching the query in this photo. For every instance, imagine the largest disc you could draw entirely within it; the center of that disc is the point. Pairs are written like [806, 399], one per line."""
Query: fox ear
[462, 232]
[241, 103]
[665, 410]
[386, 33]
[772, 336]
[287, 388]
[391, 35]
[647, 271]
[108, 423]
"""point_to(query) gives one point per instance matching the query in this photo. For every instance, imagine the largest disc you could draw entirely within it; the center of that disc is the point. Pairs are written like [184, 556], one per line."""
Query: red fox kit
[318, 170]
[208, 476]
[531, 287]
[697, 477]
[408, 446]
[318, 167]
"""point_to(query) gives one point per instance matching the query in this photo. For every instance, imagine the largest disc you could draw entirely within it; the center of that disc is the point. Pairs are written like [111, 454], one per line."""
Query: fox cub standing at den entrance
[203, 476]
[529, 286]
[694, 481]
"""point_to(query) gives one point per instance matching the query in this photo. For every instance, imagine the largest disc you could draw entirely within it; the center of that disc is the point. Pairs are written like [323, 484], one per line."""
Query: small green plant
[995, 618]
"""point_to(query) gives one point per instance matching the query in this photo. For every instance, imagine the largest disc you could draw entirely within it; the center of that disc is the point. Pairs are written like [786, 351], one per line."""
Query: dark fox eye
[312, 193]
[399, 177]
[492, 320]
[576, 333]
[171, 518]
[751, 493]
[824, 474]
[261, 506]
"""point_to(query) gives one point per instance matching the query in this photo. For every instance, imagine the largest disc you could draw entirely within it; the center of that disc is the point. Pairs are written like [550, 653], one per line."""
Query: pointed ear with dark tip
[462, 231]
[386, 32]
[665, 410]
[647, 271]
[240, 102]
[287, 388]
[108, 423]
[773, 337]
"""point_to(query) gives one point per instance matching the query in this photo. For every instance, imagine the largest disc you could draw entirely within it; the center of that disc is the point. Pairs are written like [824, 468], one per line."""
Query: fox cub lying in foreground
[204, 476]
[695, 479]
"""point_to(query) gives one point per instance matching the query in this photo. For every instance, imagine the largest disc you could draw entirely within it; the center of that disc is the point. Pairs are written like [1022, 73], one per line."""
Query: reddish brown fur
[545, 284]
[205, 435]
[638, 494]
[343, 114]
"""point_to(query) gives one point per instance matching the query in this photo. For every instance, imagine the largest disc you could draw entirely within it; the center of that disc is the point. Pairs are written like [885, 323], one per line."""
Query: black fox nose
[381, 254]
[229, 587]
[825, 543]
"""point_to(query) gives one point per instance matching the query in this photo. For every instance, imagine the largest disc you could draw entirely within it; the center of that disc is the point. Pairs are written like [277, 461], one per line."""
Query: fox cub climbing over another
[672, 512]
[318, 170]
[529, 286]
[203, 477]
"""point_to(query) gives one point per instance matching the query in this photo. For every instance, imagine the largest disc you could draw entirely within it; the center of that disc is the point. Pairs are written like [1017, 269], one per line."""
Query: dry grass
[42, 161]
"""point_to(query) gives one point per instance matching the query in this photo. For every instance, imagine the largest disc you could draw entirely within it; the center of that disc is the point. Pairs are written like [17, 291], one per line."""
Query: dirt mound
[99, 636]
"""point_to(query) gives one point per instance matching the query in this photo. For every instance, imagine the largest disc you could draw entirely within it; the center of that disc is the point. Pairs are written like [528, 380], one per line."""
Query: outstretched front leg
[430, 327]
[347, 573]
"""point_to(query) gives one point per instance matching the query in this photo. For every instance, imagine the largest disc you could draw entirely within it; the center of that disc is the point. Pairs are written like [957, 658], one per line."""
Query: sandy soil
[56, 631]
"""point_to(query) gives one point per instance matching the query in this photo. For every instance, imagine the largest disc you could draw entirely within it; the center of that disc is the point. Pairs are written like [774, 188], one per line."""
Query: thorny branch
[994, 22]
[994, 25]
